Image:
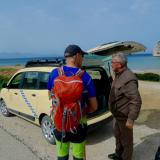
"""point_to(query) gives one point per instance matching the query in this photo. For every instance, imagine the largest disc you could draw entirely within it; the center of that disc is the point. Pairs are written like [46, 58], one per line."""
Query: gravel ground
[12, 149]
[20, 139]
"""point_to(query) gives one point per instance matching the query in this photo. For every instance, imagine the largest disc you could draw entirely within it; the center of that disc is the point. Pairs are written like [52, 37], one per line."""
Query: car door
[43, 103]
[29, 94]
[13, 98]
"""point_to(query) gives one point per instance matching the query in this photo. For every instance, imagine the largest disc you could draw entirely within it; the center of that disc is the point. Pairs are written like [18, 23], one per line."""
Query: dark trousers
[124, 139]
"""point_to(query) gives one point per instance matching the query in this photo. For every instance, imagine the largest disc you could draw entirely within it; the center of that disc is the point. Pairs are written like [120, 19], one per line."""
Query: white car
[26, 93]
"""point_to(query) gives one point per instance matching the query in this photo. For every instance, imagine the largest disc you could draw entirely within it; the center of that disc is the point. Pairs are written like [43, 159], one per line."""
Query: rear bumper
[100, 120]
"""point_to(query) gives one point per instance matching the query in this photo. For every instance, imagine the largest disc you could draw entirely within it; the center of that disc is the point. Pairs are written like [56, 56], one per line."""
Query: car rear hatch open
[108, 49]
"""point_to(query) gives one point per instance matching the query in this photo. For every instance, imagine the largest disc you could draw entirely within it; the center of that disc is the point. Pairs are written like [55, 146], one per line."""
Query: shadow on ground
[149, 118]
[147, 149]
[100, 134]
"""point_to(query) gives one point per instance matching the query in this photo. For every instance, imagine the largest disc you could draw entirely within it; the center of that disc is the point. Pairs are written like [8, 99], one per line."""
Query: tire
[47, 129]
[3, 109]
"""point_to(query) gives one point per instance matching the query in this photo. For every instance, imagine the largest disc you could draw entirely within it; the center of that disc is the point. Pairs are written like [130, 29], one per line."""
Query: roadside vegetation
[5, 75]
[3, 80]
[148, 77]
[7, 71]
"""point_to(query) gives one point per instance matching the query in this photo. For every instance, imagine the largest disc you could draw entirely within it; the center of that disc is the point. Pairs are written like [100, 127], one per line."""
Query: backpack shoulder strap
[60, 71]
[80, 73]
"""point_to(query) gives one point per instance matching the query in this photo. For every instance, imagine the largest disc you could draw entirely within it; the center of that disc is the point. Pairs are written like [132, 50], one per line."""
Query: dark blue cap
[72, 50]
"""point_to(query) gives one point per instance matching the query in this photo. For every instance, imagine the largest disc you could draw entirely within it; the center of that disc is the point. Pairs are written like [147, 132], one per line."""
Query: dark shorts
[77, 137]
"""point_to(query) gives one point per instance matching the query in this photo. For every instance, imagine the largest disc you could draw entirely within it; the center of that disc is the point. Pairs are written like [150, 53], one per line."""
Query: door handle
[34, 95]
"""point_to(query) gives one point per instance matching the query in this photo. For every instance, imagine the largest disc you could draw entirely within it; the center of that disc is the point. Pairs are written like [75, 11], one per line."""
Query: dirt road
[20, 139]
[11, 148]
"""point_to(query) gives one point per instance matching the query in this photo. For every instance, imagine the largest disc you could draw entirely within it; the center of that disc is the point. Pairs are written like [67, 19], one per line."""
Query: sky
[35, 28]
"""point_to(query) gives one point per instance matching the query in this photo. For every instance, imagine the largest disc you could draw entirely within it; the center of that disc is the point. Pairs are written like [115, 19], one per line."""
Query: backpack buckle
[73, 130]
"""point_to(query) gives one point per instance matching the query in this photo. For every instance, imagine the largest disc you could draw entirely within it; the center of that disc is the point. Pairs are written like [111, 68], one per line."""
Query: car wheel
[47, 129]
[3, 109]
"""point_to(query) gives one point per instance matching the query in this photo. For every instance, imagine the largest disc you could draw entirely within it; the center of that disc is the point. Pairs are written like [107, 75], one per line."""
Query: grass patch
[148, 77]
[4, 80]
[18, 65]
[6, 73]
[7, 69]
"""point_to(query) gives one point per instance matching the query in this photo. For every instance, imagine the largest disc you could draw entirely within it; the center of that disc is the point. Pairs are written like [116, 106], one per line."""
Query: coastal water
[135, 62]
[144, 62]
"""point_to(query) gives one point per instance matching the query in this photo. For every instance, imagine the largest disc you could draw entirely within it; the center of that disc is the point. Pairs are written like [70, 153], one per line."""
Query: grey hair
[120, 57]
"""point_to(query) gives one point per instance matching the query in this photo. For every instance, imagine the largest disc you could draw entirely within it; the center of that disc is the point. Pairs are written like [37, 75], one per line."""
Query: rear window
[43, 81]
[94, 74]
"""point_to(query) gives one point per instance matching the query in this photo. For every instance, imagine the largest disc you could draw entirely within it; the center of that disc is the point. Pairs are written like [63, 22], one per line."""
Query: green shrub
[148, 77]
[3, 80]
[7, 69]
[17, 64]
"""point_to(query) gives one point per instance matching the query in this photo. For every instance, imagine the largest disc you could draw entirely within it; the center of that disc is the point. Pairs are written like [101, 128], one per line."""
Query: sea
[139, 62]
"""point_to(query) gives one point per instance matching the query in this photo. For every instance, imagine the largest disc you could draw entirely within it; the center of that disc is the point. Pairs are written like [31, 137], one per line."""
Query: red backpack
[66, 101]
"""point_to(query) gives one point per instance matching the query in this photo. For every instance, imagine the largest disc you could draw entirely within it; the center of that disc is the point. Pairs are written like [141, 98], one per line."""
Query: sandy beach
[150, 93]
[150, 111]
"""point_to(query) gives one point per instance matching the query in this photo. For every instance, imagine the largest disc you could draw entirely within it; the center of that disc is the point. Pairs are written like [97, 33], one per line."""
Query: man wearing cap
[124, 103]
[74, 57]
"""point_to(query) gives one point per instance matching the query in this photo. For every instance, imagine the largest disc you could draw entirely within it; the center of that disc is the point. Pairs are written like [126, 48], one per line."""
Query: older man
[125, 104]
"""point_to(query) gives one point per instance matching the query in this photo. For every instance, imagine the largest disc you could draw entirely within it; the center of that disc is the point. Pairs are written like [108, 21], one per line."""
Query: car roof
[48, 66]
